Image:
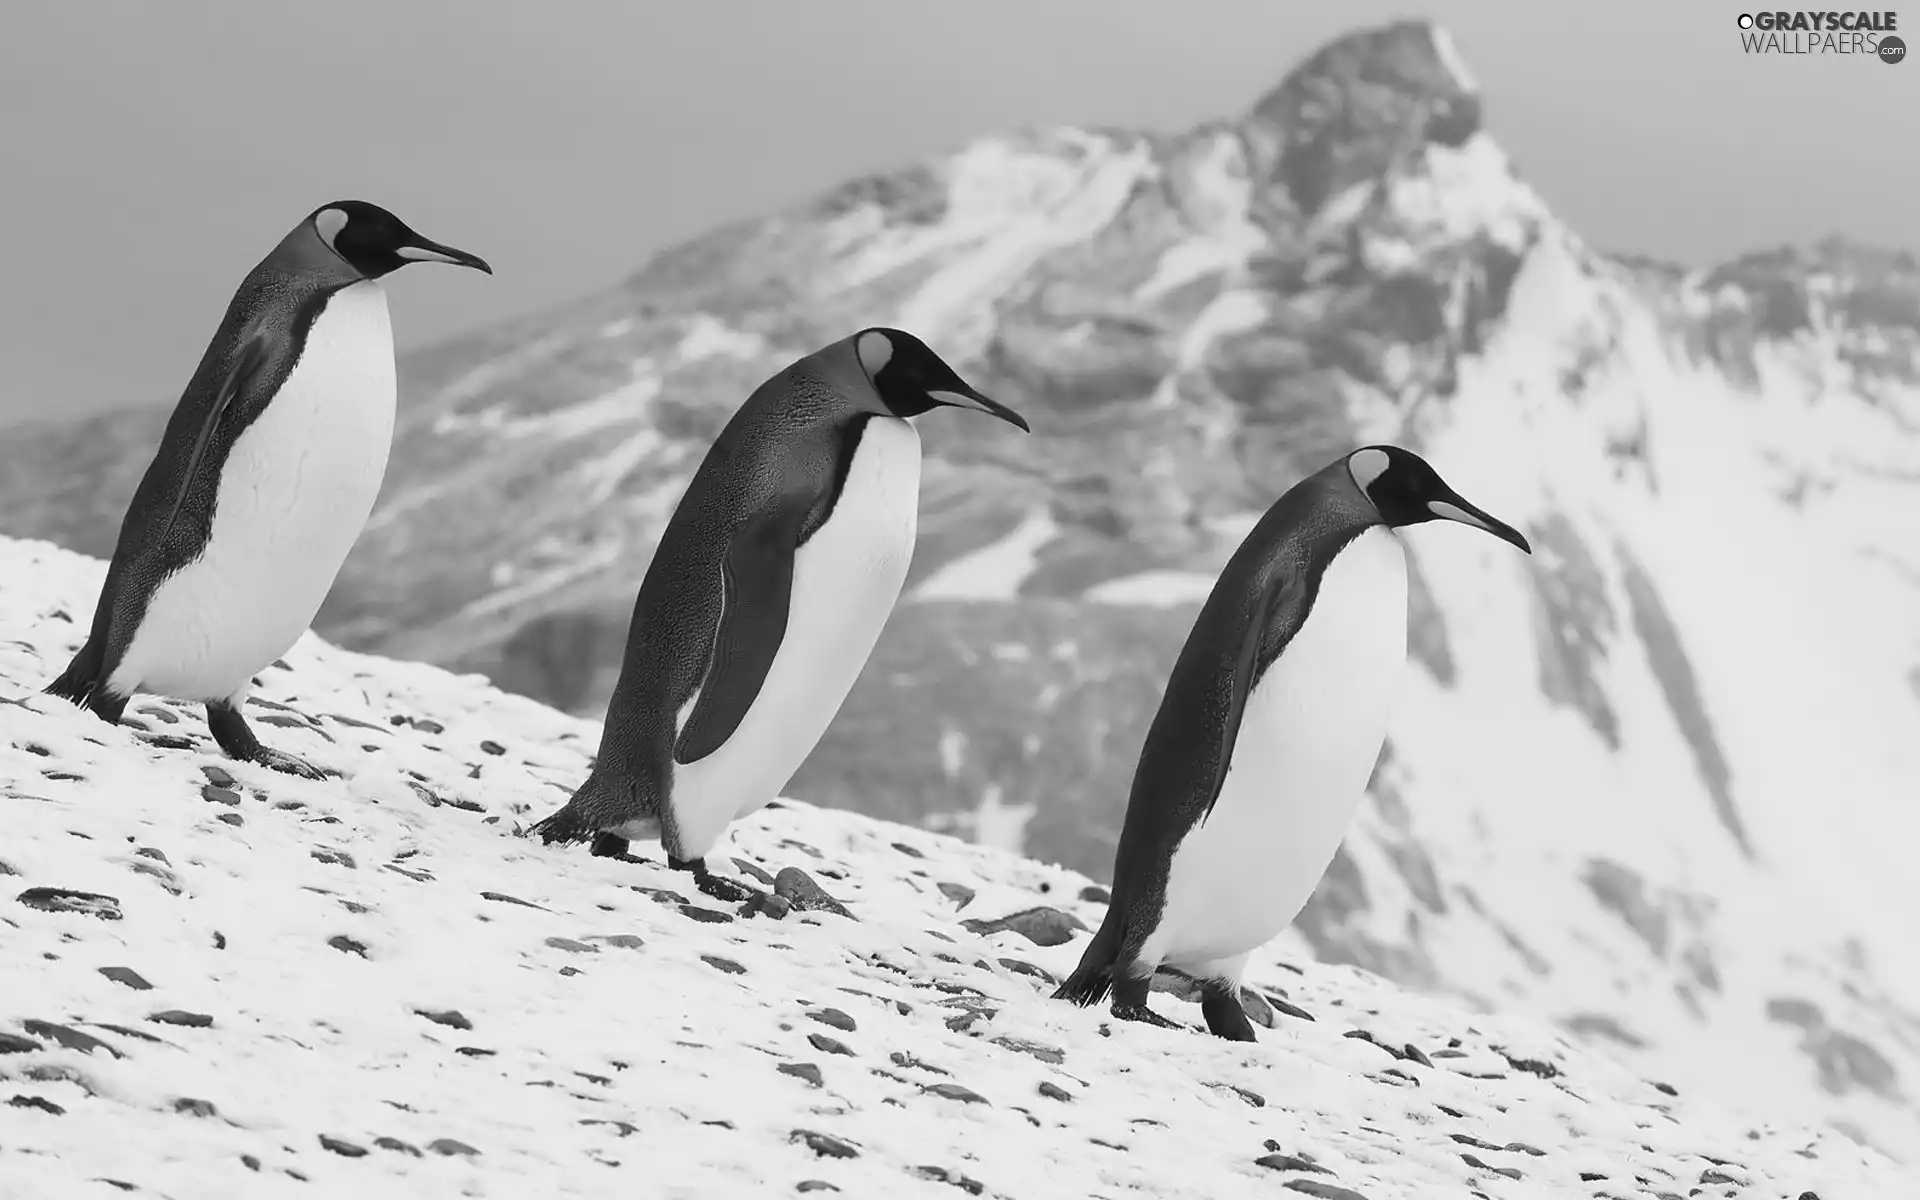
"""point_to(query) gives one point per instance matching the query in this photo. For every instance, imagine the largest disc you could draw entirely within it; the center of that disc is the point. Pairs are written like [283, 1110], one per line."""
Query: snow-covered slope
[220, 981]
[1655, 783]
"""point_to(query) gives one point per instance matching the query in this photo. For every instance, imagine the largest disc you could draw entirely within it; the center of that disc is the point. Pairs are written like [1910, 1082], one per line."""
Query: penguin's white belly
[1309, 737]
[294, 494]
[846, 580]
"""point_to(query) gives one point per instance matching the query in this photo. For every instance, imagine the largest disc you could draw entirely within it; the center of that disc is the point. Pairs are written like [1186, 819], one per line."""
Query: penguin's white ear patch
[1453, 512]
[875, 351]
[328, 222]
[1366, 466]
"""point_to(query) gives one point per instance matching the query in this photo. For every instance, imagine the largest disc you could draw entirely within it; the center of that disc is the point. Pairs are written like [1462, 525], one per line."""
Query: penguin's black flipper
[248, 362]
[756, 579]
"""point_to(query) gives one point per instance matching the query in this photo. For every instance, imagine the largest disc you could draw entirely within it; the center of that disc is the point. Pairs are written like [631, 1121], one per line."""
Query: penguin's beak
[426, 251]
[1457, 509]
[965, 397]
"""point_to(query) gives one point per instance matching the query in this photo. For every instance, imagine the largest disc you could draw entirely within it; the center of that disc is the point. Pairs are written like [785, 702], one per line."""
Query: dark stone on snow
[43, 1105]
[220, 795]
[13, 1043]
[827, 1045]
[503, 898]
[824, 1144]
[798, 888]
[1326, 1191]
[723, 964]
[753, 869]
[815, 1185]
[953, 1091]
[959, 893]
[806, 1071]
[972, 1187]
[396, 1145]
[1476, 1164]
[183, 1018]
[619, 941]
[188, 1106]
[1093, 893]
[451, 1147]
[54, 899]
[1054, 1091]
[230, 818]
[452, 1018]
[1595, 1177]
[425, 726]
[1042, 926]
[333, 857]
[217, 776]
[766, 904]
[1532, 1066]
[342, 1146]
[1282, 1005]
[474, 1051]
[1040, 1050]
[833, 1017]
[347, 945]
[1022, 967]
[492, 747]
[1668, 1088]
[128, 977]
[705, 916]
[900, 1058]
[169, 741]
[72, 1039]
[907, 850]
[1289, 1162]
[571, 946]
[660, 895]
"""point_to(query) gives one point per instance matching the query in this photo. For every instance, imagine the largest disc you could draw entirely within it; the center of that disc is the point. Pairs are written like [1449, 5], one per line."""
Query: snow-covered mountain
[224, 982]
[1656, 782]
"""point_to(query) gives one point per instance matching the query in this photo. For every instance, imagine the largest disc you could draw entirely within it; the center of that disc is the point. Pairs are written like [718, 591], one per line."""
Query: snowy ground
[374, 984]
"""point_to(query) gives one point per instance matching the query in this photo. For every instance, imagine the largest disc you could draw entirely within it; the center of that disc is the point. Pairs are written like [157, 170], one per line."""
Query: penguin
[1269, 728]
[263, 480]
[766, 594]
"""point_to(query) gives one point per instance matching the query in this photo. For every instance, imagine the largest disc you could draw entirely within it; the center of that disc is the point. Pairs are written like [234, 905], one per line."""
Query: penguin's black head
[374, 241]
[911, 379]
[1406, 491]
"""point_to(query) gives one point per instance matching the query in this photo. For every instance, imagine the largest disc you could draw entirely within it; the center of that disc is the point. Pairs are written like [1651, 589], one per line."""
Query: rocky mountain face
[1656, 781]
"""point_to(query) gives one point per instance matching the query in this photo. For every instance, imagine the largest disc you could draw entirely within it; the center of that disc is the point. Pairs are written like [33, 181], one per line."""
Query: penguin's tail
[1093, 978]
[600, 803]
[81, 684]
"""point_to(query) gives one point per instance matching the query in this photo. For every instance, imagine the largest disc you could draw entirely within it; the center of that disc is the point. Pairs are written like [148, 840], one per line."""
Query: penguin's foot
[729, 890]
[612, 845]
[236, 737]
[1225, 1017]
[1144, 1015]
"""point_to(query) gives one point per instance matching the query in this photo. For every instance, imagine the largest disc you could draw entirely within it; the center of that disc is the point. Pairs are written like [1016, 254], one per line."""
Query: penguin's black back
[786, 450]
[1259, 602]
[259, 341]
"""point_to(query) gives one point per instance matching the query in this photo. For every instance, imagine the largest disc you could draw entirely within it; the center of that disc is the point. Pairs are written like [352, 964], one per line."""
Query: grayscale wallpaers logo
[1867, 34]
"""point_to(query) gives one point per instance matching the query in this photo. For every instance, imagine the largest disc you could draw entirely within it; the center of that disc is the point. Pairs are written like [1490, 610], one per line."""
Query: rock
[571, 946]
[959, 893]
[347, 945]
[827, 1045]
[619, 941]
[220, 795]
[53, 899]
[396, 1145]
[755, 870]
[473, 1051]
[451, 1147]
[72, 1039]
[1282, 1005]
[900, 1058]
[1054, 1091]
[815, 1185]
[824, 1144]
[1093, 893]
[181, 1017]
[833, 1017]
[128, 977]
[723, 964]
[907, 850]
[941, 1175]
[1417, 1055]
[798, 888]
[230, 818]
[1667, 1088]
[1476, 1164]
[1326, 1191]
[1042, 926]
[503, 898]
[1532, 1066]
[1020, 966]
[342, 1146]
[953, 1091]
[191, 1107]
[13, 1043]
[452, 1018]
[425, 726]
[43, 1105]
[766, 904]
[333, 856]
[1289, 1162]
[492, 747]
[660, 895]
[806, 1071]
[1040, 1050]
[705, 916]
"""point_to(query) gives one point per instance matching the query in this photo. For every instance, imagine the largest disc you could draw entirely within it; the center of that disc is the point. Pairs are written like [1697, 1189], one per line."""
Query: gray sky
[155, 150]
